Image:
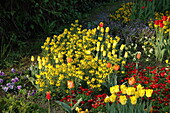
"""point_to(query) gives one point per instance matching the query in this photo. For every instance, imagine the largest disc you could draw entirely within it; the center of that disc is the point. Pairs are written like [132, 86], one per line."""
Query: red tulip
[164, 18]
[101, 24]
[161, 25]
[143, 7]
[48, 96]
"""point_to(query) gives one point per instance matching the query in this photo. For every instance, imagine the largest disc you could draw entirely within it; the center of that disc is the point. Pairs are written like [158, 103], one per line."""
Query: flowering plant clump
[154, 78]
[89, 101]
[124, 98]
[11, 82]
[123, 13]
[80, 55]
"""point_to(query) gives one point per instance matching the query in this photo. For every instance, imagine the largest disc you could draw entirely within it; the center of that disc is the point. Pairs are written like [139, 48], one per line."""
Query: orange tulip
[131, 81]
[109, 65]
[70, 84]
[69, 59]
[138, 56]
[116, 67]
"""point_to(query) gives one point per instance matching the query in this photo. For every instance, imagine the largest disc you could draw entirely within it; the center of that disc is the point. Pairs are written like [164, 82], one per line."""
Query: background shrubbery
[24, 23]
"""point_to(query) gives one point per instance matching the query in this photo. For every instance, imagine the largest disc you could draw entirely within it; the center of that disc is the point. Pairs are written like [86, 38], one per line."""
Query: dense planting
[121, 68]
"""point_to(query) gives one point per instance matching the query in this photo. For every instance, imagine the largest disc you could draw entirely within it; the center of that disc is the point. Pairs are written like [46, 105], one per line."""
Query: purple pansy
[13, 70]
[19, 87]
[1, 80]
[2, 73]
[5, 89]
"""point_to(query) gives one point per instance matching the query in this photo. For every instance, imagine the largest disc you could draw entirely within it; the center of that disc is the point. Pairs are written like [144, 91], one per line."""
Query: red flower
[161, 25]
[101, 24]
[48, 96]
[109, 65]
[164, 18]
[143, 7]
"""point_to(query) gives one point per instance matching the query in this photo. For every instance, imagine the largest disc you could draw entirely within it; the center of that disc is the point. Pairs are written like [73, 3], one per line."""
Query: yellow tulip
[141, 92]
[126, 55]
[149, 92]
[113, 98]
[130, 91]
[114, 89]
[133, 99]
[123, 99]
[139, 87]
[32, 58]
[107, 99]
[122, 47]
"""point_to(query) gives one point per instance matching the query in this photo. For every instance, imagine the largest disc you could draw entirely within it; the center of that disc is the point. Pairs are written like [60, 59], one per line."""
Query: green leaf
[65, 106]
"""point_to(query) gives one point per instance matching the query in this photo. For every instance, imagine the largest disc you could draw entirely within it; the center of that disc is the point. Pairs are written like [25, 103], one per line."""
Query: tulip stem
[48, 106]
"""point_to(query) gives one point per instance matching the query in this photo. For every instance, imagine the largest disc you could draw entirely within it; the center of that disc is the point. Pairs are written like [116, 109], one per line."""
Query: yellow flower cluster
[123, 13]
[133, 92]
[78, 55]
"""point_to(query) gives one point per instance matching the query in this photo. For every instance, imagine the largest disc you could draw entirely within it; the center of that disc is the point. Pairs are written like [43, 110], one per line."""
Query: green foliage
[19, 104]
[22, 23]
[145, 9]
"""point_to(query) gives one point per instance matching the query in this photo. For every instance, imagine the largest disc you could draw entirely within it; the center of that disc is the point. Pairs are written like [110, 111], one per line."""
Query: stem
[71, 98]
[48, 106]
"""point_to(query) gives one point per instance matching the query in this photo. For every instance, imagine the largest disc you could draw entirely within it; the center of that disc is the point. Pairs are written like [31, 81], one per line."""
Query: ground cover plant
[119, 68]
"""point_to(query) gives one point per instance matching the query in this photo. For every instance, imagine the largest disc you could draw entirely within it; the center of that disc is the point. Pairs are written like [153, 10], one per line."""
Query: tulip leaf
[65, 106]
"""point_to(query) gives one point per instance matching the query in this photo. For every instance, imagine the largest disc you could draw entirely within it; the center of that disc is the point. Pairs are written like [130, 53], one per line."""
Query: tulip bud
[138, 55]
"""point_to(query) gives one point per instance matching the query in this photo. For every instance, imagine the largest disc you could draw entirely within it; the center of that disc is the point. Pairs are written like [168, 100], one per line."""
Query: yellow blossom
[133, 99]
[123, 99]
[149, 92]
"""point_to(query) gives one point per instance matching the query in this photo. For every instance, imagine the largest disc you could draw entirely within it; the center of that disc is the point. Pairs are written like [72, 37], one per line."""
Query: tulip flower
[123, 99]
[138, 55]
[133, 99]
[116, 67]
[149, 92]
[114, 89]
[101, 24]
[70, 84]
[48, 96]
[109, 65]
[131, 81]
[141, 92]
[112, 98]
[69, 59]
[32, 58]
